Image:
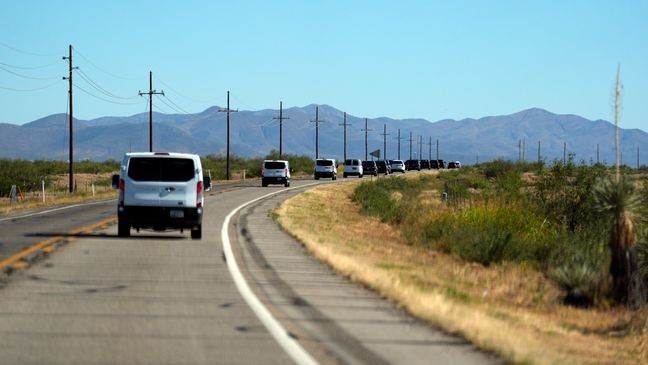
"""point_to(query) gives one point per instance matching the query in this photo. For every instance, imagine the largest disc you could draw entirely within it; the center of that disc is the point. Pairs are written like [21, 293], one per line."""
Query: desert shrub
[579, 265]
[492, 233]
[376, 199]
[564, 193]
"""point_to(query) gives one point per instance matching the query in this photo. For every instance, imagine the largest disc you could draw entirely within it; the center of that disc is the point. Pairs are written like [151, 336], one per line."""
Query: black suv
[383, 167]
[425, 164]
[434, 164]
[412, 165]
[370, 168]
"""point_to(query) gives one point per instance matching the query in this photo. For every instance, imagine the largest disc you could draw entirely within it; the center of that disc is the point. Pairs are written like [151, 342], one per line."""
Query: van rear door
[166, 182]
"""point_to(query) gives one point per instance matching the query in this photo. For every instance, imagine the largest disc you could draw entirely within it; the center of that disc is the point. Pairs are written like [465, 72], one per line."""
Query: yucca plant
[619, 199]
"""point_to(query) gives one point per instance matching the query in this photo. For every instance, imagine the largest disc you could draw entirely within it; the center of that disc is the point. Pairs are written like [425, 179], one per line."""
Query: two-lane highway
[162, 298]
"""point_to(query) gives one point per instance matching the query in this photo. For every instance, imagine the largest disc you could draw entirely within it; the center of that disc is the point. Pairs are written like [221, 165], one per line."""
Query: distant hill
[255, 133]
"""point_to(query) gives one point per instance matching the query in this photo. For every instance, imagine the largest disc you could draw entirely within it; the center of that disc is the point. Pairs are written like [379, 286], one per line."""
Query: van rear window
[275, 165]
[161, 169]
[324, 163]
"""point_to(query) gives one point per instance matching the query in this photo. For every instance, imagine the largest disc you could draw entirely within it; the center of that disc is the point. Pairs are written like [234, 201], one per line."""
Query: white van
[160, 190]
[353, 167]
[325, 167]
[275, 172]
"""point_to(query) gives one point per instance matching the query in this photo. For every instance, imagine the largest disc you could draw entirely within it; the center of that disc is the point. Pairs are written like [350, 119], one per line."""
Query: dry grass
[55, 193]
[511, 310]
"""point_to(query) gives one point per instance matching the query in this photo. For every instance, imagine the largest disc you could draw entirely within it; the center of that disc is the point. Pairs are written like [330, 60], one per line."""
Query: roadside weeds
[510, 310]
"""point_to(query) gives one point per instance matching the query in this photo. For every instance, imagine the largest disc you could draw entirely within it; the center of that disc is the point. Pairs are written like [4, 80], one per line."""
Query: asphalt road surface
[162, 298]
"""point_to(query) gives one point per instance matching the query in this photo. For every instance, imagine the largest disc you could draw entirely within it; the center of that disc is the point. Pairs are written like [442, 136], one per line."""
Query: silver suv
[325, 167]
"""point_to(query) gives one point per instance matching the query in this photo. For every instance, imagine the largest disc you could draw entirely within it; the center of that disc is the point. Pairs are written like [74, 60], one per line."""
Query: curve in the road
[288, 343]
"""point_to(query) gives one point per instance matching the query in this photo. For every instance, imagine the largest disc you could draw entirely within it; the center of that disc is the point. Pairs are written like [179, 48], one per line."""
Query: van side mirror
[207, 183]
[115, 181]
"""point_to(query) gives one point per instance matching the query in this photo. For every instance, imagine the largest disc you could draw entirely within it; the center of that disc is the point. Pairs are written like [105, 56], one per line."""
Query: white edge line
[54, 210]
[280, 334]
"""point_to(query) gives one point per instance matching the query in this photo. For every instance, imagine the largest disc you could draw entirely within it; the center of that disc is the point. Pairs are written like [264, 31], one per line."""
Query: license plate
[177, 213]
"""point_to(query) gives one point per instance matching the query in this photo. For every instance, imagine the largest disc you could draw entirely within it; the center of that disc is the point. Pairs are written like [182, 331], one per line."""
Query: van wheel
[123, 228]
[264, 184]
[344, 175]
[360, 176]
[334, 177]
[196, 233]
[287, 184]
[316, 177]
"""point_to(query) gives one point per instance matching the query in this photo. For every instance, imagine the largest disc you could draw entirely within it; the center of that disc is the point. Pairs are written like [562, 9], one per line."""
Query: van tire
[334, 177]
[123, 228]
[196, 233]
[287, 184]
[264, 184]
[344, 175]
[316, 177]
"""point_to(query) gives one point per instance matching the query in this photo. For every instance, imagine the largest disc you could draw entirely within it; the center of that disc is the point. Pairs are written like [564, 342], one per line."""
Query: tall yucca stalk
[618, 88]
[620, 200]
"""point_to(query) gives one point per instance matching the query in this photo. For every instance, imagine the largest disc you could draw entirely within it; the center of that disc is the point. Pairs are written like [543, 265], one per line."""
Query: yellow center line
[46, 245]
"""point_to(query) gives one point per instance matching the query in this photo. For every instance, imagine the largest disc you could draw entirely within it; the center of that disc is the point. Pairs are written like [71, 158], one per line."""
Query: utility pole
[345, 124]
[430, 146]
[366, 130]
[564, 153]
[281, 118]
[399, 144]
[317, 122]
[71, 121]
[523, 149]
[437, 149]
[228, 111]
[410, 141]
[150, 93]
[538, 151]
[384, 134]
[420, 147]
[519, 150]
[637, 157]
[597, 153]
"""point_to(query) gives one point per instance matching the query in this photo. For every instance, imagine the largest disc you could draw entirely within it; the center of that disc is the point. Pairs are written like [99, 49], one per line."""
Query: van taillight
[286, 172]
[122, 188]
[199, 194]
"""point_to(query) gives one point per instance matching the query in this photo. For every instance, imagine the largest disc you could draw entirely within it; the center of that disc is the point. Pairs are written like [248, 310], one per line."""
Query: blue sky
[401, 59]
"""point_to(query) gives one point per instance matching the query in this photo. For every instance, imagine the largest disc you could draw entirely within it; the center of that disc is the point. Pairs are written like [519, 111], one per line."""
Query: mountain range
[256, 133]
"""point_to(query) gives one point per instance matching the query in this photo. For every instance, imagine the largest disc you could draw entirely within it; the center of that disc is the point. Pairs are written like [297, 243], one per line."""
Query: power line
[100, 98]
[176, 105]
[102, 70]
[26, 52]
[177, 92]
[28, 68]
[29, 90]
[98, 87]
[28, 77]
[171, 106]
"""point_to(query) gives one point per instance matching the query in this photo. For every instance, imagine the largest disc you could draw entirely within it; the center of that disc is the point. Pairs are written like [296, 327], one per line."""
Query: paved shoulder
[337, 320]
